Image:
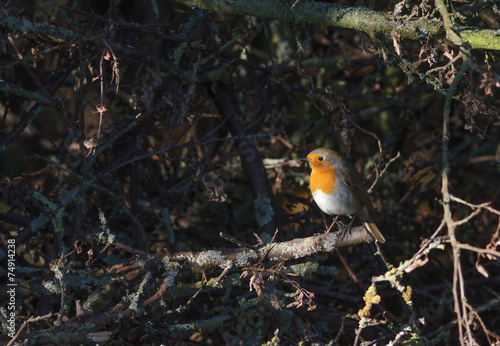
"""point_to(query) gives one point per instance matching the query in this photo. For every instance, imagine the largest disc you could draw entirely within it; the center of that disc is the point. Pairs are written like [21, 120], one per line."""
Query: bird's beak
[305, 159]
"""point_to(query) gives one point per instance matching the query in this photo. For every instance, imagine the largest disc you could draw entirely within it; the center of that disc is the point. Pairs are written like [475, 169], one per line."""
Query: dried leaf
[417, 264]
[480, 268]
[397, 44]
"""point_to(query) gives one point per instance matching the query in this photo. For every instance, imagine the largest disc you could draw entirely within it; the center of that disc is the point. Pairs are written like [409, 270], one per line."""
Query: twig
[458, 282]
[478, 249]
[25, 323]
[485, 205]
[382, 172]
[486, 331]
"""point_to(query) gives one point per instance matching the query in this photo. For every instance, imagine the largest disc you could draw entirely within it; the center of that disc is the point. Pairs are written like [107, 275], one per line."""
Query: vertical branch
[101, 108]
[457, 269]
[264, 202]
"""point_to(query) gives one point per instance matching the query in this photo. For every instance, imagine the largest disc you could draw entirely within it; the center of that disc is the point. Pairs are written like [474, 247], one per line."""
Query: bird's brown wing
[355, 183]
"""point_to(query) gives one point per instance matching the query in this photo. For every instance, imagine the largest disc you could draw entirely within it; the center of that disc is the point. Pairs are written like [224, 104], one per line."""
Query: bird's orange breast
[323, 179]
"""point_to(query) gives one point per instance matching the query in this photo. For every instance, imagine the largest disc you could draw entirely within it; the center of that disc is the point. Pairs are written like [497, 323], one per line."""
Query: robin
[338, 189]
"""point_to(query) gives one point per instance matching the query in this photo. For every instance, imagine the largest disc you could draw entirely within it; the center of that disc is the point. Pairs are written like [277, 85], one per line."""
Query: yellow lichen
[371, 297]
[407, 294]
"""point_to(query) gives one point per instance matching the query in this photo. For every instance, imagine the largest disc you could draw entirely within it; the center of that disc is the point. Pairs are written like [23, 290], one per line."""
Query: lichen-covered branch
[331, 15]
[284, 251]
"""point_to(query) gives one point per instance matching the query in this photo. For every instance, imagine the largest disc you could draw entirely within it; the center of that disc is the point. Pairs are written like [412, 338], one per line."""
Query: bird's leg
[334, 222]
[348, 227]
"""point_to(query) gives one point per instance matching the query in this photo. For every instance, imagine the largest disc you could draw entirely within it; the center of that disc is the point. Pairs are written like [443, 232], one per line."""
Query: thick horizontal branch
[293, 249]
[371, 22]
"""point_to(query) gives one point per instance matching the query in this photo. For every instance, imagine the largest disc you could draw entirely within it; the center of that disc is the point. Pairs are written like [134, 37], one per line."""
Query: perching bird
[338, 189]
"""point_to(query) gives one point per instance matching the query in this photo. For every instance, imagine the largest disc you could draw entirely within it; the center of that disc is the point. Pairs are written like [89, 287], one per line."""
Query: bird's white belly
[344, 202]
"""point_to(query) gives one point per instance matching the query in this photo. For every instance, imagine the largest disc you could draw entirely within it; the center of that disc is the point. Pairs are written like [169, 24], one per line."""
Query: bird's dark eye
[320, 158]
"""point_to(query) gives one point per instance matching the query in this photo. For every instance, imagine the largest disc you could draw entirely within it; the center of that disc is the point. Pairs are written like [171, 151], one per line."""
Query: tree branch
[288, 250]
[331, 15]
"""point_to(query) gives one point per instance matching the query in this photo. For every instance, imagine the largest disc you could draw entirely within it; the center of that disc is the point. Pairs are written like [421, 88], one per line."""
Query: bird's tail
[370, 226]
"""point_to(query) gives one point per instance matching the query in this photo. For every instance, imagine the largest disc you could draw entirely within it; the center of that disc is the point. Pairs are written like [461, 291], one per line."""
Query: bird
[337, 189]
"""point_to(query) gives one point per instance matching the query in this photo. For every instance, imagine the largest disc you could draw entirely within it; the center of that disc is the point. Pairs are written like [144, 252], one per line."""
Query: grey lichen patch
[263, 210]
[307, 247]
[52, 287]
[301, 252]
[170, 271]
[134, 298]
[330, 243]
[210, 258]
[109, 238]
[244, 259]
[189, 257]
[142, 262]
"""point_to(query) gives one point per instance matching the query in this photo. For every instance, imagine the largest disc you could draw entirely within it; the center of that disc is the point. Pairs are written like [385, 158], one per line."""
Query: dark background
[128, 129]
